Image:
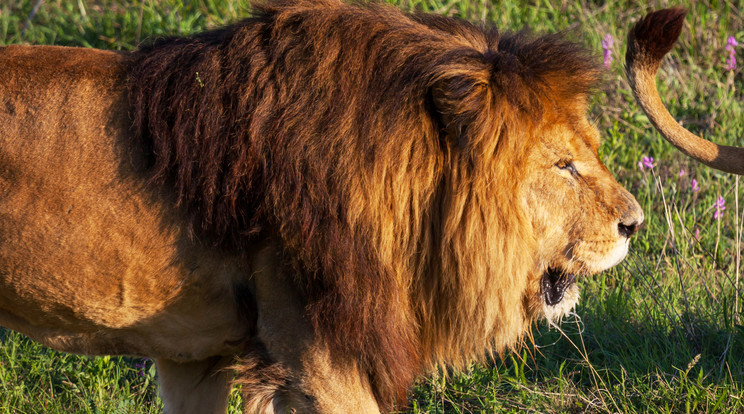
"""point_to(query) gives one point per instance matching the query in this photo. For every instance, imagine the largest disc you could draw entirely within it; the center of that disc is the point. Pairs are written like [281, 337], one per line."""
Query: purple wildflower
[141, 367]
[607, 43]
[720, 206]
[647, 162]
[694, 186]
[697, 233]
[682, 173]
[731, 43]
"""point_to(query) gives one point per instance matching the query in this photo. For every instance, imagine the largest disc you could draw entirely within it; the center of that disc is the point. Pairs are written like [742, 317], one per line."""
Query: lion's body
[131, 255]
[339, 197]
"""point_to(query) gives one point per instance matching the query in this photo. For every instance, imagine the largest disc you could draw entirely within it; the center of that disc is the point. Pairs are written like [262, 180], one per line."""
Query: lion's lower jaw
[554, 313]
[606, 261]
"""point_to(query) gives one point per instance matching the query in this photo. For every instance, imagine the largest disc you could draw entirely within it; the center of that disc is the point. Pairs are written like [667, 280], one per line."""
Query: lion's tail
[648, 41]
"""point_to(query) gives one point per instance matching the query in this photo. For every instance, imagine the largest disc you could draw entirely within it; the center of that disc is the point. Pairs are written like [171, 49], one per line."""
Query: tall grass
[662, 332]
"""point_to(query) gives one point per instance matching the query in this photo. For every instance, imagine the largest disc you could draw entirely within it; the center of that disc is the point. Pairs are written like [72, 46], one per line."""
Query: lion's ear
[458, 102]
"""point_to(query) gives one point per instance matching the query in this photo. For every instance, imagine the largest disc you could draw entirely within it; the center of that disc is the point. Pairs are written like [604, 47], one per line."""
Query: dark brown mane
[336, 128]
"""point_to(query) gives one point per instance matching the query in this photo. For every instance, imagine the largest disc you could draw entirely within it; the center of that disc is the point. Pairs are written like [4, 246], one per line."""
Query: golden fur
[332, 198]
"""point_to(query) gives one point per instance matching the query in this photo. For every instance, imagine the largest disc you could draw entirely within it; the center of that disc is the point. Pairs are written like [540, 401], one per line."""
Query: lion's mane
[381, 149]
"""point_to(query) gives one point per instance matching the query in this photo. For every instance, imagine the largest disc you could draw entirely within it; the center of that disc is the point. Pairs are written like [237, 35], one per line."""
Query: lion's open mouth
[554, 284]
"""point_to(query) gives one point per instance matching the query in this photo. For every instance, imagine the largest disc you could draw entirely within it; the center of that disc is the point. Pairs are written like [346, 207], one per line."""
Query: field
[662, 332]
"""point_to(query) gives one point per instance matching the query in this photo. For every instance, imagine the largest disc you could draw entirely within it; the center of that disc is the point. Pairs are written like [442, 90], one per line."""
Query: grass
[662, 332]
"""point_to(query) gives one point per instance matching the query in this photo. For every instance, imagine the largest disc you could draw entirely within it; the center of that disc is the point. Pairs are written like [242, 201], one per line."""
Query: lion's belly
[91, 261]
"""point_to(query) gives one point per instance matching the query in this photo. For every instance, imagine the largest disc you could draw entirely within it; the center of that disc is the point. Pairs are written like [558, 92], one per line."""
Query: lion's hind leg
[196, 386]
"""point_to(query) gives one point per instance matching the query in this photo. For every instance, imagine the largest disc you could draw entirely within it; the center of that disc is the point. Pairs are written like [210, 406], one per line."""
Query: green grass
[660, 333]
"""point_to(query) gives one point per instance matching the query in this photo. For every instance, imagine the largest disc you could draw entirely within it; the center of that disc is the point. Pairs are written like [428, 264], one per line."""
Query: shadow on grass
[632, 346]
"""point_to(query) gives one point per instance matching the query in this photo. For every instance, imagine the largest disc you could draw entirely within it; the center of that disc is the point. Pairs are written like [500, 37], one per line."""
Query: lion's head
[435, 186]
[582, 219]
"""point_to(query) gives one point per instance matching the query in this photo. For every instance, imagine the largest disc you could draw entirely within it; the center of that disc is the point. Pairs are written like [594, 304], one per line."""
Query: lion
[648, 42]
[321, 202]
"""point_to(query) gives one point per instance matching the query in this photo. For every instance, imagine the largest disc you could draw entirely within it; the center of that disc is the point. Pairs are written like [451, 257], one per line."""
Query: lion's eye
[568, 166]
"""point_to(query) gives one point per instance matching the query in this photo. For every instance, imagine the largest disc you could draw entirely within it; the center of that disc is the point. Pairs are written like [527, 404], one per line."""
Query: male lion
[648, 41]
[331, 199]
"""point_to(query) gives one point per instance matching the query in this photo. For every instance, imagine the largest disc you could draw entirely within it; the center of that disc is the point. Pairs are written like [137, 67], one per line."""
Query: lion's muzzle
[632, 218]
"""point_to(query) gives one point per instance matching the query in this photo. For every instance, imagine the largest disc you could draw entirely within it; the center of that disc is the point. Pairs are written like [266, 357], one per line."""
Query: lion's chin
[559, 294]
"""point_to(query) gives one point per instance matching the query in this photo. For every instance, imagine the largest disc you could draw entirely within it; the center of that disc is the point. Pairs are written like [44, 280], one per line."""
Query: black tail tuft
[653, 36]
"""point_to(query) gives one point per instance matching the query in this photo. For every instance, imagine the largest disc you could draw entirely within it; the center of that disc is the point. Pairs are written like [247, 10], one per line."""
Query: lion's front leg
[195, 387]
[290, 369]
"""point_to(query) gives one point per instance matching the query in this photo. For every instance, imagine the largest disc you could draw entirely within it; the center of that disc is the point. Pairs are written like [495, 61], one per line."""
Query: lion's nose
[628, 229]
[631, 221]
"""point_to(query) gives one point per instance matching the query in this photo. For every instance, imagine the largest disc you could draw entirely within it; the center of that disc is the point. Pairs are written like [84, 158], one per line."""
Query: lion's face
[582, 217]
